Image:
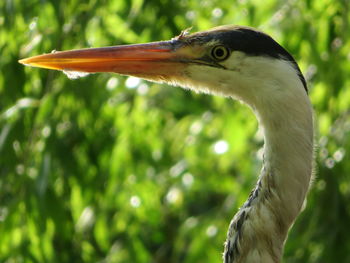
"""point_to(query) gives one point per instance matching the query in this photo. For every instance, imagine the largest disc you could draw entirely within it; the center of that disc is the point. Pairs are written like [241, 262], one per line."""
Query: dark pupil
[219, 52]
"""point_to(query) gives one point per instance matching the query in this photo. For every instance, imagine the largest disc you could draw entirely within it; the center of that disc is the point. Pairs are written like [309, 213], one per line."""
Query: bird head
[234, 61]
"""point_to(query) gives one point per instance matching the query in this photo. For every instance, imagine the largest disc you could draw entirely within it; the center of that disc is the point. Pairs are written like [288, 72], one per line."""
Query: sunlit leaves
[114, 169]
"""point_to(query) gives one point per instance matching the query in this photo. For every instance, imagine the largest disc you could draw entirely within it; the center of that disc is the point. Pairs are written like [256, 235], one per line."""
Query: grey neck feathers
[258, 231]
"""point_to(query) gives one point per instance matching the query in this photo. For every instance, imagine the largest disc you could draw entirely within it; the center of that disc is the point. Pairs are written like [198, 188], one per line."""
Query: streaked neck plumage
[259, 230]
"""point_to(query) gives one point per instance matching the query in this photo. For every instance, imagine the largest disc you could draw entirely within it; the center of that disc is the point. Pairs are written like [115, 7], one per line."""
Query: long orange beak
[155, 60]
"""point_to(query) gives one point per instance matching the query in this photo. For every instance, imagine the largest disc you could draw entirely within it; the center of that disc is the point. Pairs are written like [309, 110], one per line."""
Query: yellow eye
[220, 53]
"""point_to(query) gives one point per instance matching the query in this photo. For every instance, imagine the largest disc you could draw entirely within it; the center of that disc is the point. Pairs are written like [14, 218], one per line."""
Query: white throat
[258, 231]
[286, 118]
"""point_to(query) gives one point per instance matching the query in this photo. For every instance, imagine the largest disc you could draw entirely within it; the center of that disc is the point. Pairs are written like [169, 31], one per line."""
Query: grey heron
[247, 65]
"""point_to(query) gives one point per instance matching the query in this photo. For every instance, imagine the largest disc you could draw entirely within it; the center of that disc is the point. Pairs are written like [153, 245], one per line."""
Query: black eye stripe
[220, 53]
[252, 43]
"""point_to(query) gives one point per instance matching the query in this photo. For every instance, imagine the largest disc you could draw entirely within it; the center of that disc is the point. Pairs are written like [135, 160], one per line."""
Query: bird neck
[258, 231]
[288, 154]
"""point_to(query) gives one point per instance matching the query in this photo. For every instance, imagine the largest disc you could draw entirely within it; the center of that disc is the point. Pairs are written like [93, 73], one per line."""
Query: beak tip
[24, 61]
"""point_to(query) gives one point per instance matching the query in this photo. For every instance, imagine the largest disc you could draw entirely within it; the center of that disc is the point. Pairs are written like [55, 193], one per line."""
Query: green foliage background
[109, 169]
